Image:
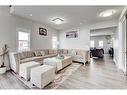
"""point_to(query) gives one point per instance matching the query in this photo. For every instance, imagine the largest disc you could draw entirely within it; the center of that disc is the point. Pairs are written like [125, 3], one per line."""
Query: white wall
[38, 41]
[106, 45]
[120, 36]
[83, 41]
[8, 34]
[9, 23]
[116, 46]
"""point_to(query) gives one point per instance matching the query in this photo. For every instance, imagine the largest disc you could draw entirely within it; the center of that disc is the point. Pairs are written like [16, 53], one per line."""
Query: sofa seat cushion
[37, 58]
[50, 55]
[79, 60]
[78, 56]
[31, 59]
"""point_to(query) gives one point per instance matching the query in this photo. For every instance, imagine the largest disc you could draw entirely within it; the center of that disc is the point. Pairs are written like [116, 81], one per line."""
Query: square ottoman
[24, 69]
[42, 75]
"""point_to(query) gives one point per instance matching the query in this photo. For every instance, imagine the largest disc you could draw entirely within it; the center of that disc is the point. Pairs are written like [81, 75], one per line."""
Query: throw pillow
[42, 53]
[73, 52]
[51, 51]
[38, 53]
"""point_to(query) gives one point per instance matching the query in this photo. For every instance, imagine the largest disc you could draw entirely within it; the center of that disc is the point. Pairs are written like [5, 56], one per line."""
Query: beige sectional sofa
[78, 55]
[26, 56]
[18, 58]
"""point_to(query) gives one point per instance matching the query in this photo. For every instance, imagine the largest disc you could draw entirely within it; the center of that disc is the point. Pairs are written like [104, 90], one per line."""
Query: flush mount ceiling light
[58, 21]
[107, 13]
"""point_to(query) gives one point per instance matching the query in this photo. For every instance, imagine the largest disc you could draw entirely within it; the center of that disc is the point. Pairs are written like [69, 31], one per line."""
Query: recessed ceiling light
[107, 13]
[30, 15]
[58, 21]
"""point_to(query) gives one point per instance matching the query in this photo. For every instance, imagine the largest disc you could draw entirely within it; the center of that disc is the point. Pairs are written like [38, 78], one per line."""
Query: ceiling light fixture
[58, 21]
[107, 13]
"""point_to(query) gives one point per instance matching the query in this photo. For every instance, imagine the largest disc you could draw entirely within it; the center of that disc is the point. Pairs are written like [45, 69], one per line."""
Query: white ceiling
[73, 15]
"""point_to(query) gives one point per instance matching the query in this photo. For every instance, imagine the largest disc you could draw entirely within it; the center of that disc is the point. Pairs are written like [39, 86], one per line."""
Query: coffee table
[58, 63]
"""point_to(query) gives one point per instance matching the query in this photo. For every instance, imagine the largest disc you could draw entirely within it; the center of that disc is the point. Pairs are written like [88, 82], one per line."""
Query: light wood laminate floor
[9, 81]
[99, 74]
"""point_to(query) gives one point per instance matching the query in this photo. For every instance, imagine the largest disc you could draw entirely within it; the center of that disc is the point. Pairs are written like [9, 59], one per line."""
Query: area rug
[60, 77]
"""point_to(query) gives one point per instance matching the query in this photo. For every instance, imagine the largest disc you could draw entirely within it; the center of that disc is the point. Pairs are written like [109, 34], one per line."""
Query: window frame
[99, 43]
[93, 45]
[56, 45]
[17, 40]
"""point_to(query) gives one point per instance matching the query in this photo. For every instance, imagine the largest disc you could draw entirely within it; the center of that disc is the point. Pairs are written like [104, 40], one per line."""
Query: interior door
[124, 45]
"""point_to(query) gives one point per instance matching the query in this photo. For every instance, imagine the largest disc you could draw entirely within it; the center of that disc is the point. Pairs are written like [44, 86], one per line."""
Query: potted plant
[3, 52]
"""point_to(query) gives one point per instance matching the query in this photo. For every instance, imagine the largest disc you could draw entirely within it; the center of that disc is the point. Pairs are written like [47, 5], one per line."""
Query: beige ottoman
[24, 70]
[58, 63]
[42, 75]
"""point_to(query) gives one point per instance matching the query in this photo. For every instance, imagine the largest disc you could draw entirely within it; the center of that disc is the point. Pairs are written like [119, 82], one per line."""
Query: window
[54, 42]
[23, 41]
[91, 43]
[100, 43]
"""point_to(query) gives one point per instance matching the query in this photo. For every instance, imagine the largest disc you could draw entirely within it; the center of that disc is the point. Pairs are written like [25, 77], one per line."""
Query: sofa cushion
[42, 52]
[50, 55]
[65, 51]
[21, 56]
[37, 53]
[78, 56]
[46, 51]
[55, 51]
[37, 58]
[31, 59]
[69, 51]
[73, 52]
[28, 54]
[60, 51]
[82, 53]
[51, 51]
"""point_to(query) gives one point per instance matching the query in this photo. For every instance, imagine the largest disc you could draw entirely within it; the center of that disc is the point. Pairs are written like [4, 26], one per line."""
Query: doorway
[103, 42]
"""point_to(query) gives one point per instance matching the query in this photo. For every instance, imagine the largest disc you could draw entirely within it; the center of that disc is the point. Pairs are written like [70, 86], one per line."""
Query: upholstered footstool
[42, 75]
[25, 69]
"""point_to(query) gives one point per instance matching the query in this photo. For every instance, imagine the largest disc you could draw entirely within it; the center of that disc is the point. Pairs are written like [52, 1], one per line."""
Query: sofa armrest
[85, 55]
[14, 60]
[17, 62]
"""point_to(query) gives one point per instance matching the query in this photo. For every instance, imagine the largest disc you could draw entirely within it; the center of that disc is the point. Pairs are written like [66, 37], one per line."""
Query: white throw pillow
[73, 52]
[38, 53]
[42, 53]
